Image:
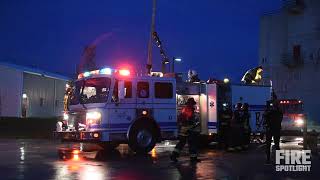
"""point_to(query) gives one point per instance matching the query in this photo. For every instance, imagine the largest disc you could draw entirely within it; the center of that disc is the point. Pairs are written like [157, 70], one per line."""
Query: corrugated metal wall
[44, 95]
[11, 81]
[60, 90]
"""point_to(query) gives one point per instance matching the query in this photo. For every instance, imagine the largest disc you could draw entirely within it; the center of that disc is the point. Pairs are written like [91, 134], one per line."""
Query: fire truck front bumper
[82, 136]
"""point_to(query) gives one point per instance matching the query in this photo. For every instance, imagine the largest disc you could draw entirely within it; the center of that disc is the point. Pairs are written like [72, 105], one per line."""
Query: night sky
[217, 38]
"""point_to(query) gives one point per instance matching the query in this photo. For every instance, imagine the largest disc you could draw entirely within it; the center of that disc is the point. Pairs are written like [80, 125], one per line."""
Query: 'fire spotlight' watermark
[293, 160]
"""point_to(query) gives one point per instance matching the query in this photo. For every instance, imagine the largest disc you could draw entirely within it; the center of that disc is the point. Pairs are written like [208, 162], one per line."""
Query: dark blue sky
[215, 37]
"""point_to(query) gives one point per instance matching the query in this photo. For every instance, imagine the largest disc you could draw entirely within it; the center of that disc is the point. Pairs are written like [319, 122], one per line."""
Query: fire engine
[294, 119]
[117, 106]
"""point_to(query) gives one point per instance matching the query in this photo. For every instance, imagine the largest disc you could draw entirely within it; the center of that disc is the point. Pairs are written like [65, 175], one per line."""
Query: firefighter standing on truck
[272, 121]
[188, 131]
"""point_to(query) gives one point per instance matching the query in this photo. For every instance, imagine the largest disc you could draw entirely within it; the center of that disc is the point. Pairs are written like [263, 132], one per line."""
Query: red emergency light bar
[106, 71]
[124, 72]
[290, 102]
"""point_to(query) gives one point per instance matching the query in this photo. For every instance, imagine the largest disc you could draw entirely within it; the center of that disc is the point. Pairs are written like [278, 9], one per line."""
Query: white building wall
[273, 43]
[11, 81]
[278, 34]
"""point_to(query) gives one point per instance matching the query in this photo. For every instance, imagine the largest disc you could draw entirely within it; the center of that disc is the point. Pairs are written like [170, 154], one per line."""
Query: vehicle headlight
[299, 122]
[65, 116]
[93, 117]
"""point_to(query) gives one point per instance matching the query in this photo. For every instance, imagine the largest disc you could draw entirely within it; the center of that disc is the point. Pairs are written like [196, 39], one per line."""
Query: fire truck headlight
[65, 116]
[93, 117]
[299, 122]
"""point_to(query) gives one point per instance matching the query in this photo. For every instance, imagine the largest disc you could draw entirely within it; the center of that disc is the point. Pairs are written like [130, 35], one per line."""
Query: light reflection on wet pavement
[38, 159]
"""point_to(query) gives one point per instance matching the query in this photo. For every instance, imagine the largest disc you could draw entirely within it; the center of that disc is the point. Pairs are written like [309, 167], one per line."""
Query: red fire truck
[294, 119]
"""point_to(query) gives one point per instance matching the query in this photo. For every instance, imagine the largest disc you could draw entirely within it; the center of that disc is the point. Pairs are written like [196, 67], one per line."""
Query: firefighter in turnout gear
[236, 135]
[188, 132]
[272, 121]
[224, 125]
[246, 125]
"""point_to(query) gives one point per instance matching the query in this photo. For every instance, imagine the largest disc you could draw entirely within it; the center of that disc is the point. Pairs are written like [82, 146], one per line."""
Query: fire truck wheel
[142, 137]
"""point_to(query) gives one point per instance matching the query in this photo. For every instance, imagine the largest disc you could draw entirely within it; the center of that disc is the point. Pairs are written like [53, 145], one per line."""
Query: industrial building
[29, 92]
[290, 52]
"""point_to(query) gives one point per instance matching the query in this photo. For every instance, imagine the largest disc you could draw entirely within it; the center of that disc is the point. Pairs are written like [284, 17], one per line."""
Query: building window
[285, 87]
[143, 89]
[41, 102]
[163, 90]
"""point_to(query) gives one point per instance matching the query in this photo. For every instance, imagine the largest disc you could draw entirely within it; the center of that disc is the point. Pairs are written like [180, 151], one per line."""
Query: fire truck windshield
[93, 90]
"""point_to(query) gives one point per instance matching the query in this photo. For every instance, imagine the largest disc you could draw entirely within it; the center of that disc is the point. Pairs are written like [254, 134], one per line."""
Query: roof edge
[35, 71]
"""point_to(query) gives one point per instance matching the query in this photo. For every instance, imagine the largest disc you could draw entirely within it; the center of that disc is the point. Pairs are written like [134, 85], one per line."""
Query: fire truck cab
[110, 105]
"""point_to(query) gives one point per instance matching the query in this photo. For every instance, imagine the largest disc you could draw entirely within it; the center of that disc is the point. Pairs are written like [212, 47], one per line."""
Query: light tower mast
[149, 63]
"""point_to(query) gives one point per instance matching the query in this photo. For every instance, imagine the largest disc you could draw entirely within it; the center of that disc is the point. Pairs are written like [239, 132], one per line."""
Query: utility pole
[149, 63]
[174, 60]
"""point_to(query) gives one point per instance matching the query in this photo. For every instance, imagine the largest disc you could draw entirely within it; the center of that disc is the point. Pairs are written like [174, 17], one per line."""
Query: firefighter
[61, 125]
[246, 125]
[64, 125]
[224, 125]
[236, 136]
[272, 121]
[188, 132]
[66, 98]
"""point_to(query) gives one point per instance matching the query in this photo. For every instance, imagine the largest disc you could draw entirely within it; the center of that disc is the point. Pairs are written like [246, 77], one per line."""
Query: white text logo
[293, 160]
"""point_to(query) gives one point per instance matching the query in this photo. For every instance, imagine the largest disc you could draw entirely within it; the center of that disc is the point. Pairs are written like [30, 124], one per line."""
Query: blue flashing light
[107, 71]
[86, 74]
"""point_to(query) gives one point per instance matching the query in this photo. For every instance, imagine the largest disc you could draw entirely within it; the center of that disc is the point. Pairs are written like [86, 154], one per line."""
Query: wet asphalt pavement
[38, 159]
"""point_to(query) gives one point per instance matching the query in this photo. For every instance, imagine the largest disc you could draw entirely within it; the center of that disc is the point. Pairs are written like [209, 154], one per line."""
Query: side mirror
[121, 90]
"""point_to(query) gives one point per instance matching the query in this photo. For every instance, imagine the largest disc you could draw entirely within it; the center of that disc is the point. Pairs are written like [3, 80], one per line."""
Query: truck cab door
[122, 106]
[164, 106]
